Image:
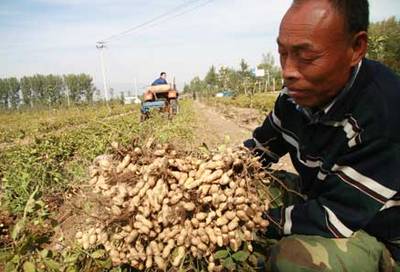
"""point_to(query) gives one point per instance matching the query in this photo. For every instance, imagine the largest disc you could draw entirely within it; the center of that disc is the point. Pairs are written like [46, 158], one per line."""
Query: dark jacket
[348, 159]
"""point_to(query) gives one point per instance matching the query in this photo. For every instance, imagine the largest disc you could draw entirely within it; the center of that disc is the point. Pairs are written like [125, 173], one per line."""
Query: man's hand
[258, 151]
[250, 144]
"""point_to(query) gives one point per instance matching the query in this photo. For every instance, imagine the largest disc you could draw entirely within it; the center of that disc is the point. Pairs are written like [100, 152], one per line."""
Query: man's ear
[359, 47]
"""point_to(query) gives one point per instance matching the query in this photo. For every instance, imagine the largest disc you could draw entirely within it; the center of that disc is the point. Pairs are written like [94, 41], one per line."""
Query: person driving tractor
[161, 80]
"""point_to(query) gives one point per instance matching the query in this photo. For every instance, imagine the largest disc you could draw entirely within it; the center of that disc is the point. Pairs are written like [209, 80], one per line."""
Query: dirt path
[230, 126]
[213, 129]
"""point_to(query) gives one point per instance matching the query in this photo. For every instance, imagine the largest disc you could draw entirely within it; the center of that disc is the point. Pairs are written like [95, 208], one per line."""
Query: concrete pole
[101, 45]
[103, 71]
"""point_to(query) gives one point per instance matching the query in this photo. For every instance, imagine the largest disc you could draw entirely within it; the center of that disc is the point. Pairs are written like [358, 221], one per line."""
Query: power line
[179, 14]
[137, 27]
[182, 13]
[151, 23]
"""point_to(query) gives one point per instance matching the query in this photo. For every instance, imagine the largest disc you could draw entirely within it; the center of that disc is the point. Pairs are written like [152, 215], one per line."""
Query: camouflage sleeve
[361, 184]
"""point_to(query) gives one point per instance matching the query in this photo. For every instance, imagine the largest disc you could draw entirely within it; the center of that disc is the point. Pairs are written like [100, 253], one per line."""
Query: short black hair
[163, 73]
[355, 13]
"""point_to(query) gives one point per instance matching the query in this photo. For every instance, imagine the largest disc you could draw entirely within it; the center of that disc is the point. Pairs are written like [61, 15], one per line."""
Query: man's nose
[290, 71]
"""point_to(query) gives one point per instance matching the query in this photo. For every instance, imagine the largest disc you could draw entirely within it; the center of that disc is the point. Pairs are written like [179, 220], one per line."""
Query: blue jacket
[159, 81]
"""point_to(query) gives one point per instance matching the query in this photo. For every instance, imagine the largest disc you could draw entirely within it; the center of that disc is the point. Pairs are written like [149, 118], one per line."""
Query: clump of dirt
[54, 201]
[245, 117]
[6, 223]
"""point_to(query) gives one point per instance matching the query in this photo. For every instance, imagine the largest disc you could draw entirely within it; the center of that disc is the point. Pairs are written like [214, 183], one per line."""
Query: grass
[261, 101]
[54, 160]
[18, 125]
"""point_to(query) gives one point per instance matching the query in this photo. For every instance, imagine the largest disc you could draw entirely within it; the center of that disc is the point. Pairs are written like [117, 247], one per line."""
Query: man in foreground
[338, 117]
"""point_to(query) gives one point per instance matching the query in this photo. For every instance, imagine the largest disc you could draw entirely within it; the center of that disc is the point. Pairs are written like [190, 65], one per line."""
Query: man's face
[315, 53]
[164, 76]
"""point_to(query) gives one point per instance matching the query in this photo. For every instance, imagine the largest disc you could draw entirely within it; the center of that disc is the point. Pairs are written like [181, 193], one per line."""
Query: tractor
[160, 97]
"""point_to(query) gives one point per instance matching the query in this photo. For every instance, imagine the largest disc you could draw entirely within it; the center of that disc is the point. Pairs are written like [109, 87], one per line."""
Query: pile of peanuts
[161, 207]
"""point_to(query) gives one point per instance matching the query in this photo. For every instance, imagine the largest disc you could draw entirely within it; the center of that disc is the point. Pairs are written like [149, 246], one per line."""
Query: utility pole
[101, 45]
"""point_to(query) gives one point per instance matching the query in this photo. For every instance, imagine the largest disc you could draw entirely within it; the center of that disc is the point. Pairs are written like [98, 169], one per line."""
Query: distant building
[258, 72]
[132, 100]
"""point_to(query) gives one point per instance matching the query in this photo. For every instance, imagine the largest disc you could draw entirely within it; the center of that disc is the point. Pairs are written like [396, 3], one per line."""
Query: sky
[59, 36]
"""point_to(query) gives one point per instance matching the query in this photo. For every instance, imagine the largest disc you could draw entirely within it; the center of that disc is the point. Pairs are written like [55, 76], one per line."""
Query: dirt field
[232, 124]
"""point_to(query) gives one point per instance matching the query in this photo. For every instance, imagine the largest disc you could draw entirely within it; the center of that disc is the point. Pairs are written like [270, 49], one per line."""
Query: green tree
[26, 90]
[13, 92]
[87, 87]
[244, 71]
[74, 89]
[233, 79]
[267, 62]
[384, 43]
[198, 87]
[53, 89]
[272, 72]
[38, 83]
[212, 77]
[3, 94]
[223, 76]
[246, 79]
[186, 88]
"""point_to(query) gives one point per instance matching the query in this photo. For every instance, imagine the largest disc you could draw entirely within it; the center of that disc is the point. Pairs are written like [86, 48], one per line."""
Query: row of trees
[46, 90]
[239, 81]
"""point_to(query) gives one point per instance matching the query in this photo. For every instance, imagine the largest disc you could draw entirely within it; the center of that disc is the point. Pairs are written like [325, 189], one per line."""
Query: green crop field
[47, 178]
[17, 126]
[45, 153]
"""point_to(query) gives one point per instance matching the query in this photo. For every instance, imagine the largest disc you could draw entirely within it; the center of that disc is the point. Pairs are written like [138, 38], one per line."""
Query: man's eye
[282, 53]
[307, 57]
[308, 60]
